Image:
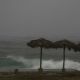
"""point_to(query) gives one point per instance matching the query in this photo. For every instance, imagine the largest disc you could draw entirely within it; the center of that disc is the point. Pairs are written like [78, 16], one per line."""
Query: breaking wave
[46, 64]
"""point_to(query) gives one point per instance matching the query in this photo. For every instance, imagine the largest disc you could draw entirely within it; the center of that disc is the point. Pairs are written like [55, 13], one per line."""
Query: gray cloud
[40, 17]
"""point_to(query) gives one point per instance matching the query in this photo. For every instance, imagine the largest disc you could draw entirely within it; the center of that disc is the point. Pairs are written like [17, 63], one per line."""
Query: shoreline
[73, 75]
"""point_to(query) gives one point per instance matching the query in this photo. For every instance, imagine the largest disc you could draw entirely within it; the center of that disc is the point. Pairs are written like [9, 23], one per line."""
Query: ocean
[17, 55]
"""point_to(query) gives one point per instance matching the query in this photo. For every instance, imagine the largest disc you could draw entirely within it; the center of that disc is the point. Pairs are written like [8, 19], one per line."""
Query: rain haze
[40, 18]
[22, 20]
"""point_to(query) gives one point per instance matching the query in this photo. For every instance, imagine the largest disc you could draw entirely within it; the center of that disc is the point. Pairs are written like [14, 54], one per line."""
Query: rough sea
[16, 55]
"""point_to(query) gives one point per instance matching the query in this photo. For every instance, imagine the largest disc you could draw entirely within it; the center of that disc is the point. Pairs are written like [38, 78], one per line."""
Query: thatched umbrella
[65, 44]
[41, 43]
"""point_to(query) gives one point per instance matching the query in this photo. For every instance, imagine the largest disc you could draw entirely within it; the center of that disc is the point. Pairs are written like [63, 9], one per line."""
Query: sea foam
[46, 64]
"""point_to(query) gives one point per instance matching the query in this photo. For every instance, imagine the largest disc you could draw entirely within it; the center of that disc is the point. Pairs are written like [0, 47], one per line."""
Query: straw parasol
[65, 44]
[41, 43]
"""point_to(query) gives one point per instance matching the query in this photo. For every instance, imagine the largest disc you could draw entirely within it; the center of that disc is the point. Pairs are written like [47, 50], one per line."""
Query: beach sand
[40, 75]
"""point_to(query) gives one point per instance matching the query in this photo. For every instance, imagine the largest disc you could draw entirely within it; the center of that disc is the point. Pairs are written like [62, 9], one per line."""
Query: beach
[39, 39]
[74, 75]
[26, 60]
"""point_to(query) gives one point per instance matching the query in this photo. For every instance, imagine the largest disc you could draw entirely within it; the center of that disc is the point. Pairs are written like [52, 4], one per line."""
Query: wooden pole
[40, 58]
[63, 59]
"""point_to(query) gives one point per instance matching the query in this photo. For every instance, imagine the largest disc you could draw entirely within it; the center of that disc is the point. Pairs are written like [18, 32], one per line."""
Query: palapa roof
[41, 42]
[65, 43]
[78, 46]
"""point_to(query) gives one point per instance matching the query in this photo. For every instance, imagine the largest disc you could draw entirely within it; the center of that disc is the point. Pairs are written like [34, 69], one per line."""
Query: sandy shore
[40, 76]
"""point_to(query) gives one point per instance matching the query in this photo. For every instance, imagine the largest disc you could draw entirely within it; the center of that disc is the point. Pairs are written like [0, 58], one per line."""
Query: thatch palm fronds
[78, 45]
[41, 43]
[65, 44]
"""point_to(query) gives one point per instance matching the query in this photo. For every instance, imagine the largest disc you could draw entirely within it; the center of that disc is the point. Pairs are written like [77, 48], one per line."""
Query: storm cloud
[40, 17]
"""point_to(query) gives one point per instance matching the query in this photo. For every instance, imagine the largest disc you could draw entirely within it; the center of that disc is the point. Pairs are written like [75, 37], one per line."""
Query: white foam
[46, 64]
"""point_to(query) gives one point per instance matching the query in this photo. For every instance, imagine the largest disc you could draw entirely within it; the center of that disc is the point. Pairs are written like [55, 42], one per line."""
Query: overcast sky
[40, 17]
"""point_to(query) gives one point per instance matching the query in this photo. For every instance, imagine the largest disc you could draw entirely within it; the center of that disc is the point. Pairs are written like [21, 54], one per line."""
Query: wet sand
[40, 75]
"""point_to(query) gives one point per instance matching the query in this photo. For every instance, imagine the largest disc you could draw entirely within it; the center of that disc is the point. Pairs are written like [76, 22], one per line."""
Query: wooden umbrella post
[41, 43]
[40, 59]
[63, 59]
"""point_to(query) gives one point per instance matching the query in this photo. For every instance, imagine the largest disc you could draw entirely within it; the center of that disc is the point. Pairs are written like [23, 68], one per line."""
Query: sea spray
[47, 64]
[29, 63]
